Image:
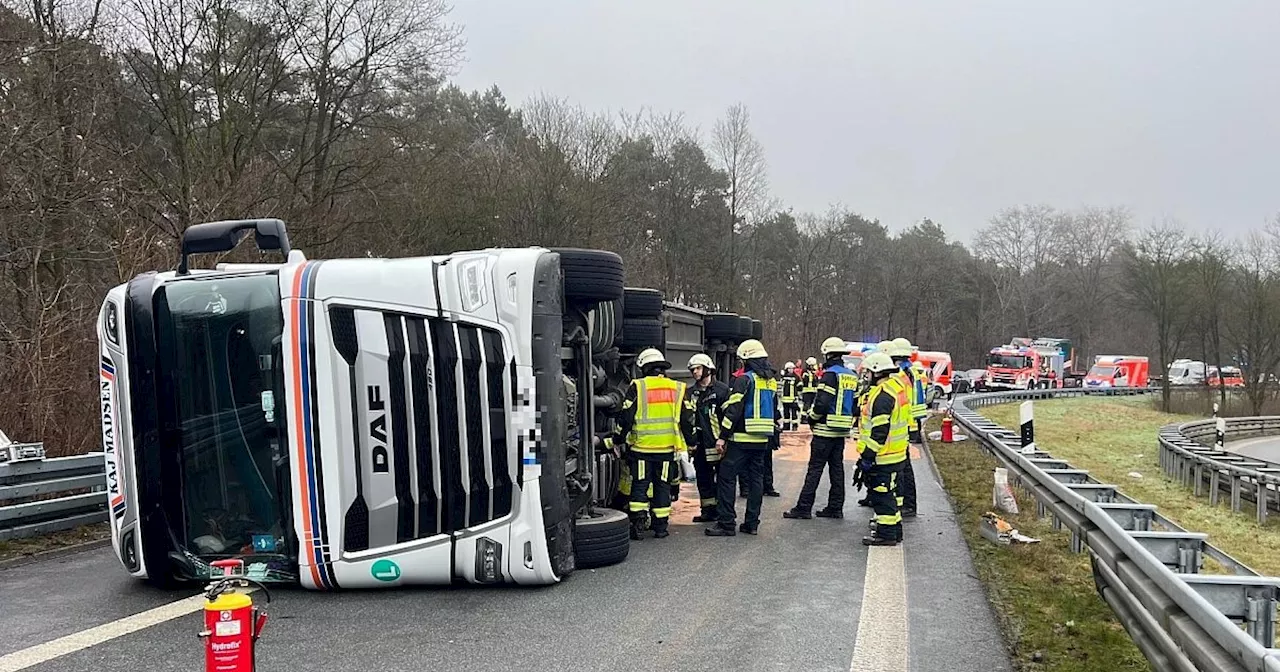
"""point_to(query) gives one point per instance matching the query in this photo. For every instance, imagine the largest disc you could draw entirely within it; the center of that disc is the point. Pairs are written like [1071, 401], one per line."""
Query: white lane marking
[28, 657]
[881, 643]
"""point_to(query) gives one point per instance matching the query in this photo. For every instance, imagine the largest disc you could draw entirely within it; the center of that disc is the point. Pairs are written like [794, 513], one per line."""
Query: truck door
[404, 400]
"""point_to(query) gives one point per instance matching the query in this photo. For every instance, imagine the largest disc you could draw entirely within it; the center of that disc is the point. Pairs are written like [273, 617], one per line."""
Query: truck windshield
[1007, 361]
[221, 338]
[1102, 371]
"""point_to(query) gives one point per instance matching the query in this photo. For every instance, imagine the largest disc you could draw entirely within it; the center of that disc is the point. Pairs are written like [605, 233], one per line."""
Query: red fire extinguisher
[232, 623]
[947, 432]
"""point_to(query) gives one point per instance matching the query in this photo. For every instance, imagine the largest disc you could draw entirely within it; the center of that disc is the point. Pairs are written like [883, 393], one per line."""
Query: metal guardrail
[1188, 456]
[1145, 566]
[45, 495]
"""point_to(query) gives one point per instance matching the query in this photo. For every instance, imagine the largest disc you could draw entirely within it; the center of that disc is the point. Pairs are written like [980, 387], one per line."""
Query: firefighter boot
[639, 522]
[708, 515]
[830, 513]
[797, 514]
[660, 528]
[874, 540]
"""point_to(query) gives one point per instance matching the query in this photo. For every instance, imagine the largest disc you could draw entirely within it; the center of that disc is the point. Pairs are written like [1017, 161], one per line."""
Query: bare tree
[1086, 244]
[1159, 284]
[1255, 310]
[1021, 243]
[741, 157]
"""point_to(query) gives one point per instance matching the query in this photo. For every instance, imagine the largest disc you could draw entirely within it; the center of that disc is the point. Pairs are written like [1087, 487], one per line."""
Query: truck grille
[447, 419]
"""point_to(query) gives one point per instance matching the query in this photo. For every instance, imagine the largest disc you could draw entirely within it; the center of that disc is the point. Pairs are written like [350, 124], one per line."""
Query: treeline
[124, 123]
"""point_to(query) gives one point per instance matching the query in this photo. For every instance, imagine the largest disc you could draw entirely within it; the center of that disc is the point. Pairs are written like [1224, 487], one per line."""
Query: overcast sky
[949, 109]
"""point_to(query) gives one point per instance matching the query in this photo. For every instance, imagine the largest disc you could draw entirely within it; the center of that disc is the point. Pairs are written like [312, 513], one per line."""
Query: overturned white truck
[363, 422]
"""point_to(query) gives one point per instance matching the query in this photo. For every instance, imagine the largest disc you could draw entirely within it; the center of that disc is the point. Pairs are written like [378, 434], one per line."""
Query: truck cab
[355, 423]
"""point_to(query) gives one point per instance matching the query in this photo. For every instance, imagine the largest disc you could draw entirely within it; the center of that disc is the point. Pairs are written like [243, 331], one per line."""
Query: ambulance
[1118, 371]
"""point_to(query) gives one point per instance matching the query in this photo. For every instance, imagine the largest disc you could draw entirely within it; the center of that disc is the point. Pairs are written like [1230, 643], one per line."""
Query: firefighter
[789, 392]
[652, 421]
[831, 418]
[884, 347]
[808, 385]
[750, 419]
[914, 382]
[706, 397]
[882, 447]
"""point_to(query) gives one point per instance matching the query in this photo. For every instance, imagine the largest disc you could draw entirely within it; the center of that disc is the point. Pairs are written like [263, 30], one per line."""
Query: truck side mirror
[223, 236]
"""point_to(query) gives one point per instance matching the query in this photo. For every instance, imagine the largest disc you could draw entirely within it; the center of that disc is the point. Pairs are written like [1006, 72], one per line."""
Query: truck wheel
[604, 325]
[602, 538]
[744, 328]
[642, 303]
[757, 329]
[721, 326]
[639, 334]
[590, 276]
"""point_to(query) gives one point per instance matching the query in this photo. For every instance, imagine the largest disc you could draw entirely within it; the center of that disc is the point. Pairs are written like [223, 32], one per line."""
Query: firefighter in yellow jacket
[882, 447]
[652, 423]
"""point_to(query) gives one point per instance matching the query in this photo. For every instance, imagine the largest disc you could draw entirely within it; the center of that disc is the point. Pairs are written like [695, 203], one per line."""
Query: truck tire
[744, 328]
[601, 538]
[644, 333]
[721, 326]
[605, 325]
[757, 329]
[590, 276]
[638, 302]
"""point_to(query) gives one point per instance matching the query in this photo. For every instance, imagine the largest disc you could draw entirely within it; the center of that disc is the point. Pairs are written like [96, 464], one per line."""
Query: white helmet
[790, 366]
[702, 360]
[751, 349]
[651, 356]
[833, 345]
[885, 346]
[812, 361]
[900, 347]
[878, 362]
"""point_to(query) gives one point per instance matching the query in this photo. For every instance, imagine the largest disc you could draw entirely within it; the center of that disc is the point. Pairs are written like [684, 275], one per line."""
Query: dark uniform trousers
[766, 470]
[825, 452]
[706, 471]
[906, 486]
[746, 459]
[651, 469]
[882, 485]
[791, 415]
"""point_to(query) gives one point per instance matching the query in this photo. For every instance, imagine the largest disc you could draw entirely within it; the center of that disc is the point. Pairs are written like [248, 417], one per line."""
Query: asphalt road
[789, 599]
[1260, 448]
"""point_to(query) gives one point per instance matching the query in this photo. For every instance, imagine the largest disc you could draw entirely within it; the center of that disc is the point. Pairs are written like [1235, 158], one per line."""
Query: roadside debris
[1001, 494]
[998, 530]
[1134, 474]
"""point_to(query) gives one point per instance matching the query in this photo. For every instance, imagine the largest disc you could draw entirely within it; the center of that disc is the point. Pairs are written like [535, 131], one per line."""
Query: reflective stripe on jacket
[836, 404]
[893, 449]
[659, 402]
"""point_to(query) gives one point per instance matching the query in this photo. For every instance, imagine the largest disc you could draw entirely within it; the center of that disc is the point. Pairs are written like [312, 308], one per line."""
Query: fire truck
[1023, 367]
[360, 423]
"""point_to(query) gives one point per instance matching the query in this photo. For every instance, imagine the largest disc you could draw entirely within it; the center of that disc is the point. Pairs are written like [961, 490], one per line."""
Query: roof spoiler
[223, 236]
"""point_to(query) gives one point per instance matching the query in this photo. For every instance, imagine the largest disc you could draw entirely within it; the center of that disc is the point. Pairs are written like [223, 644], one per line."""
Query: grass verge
[1043, 594]
[17, 548]
[1115, 439]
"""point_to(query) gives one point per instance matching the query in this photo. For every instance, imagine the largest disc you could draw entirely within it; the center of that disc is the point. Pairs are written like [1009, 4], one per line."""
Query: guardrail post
[1026, 413]
[1235, 492]
[1261, 622]
[1214, 487]
[1262, 502]
[1198, 474]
